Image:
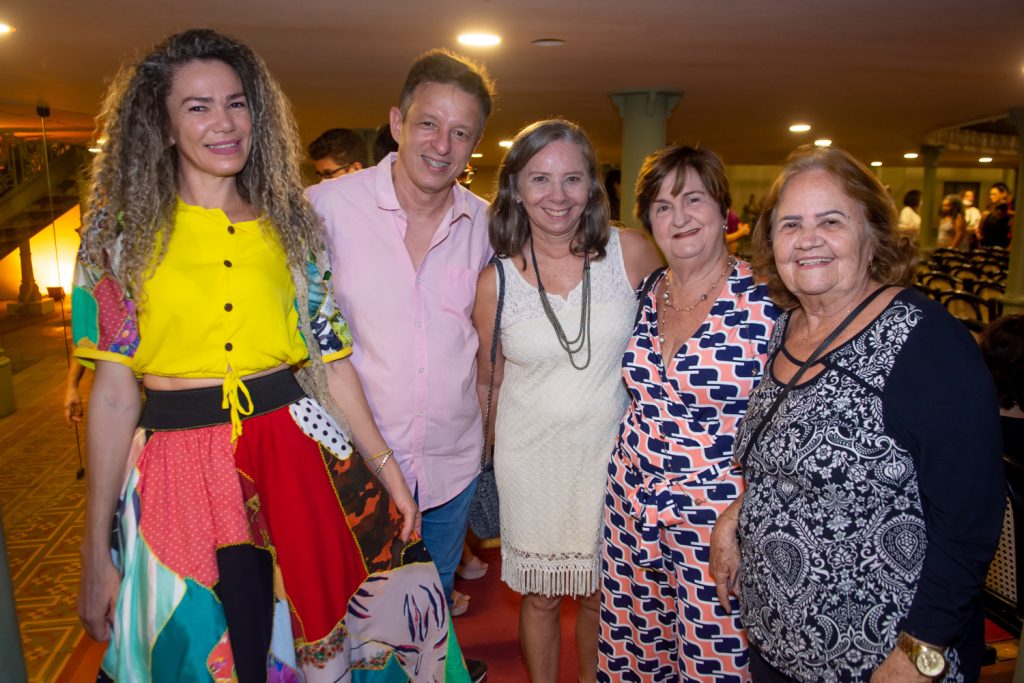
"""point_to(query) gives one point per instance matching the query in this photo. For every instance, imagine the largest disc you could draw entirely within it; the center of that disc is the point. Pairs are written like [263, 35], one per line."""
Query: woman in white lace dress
[567, 311]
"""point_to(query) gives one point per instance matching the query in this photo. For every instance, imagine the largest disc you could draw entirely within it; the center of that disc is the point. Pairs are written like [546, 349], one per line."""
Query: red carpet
[489, 630]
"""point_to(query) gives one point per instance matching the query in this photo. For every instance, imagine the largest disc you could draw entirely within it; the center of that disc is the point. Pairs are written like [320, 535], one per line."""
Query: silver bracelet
[380, 467]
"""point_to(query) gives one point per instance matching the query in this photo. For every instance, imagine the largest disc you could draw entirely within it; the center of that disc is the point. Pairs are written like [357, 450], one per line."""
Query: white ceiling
[875, 76]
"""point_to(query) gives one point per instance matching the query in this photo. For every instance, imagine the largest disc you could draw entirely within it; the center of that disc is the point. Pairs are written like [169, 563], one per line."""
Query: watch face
[930, 662]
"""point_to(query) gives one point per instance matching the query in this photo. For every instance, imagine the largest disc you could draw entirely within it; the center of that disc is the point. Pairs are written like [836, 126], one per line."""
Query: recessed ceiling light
[910, 155]
[823, 142]
[479, 39]
[799, 128]
[95, 150]
[477, 155]
[548, 42]
[6, 28]
[505, 143]
[876, 163]
[985, 160]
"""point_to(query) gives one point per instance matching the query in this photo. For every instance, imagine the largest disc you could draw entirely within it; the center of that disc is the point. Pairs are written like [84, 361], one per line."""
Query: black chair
[940, 281]
[1005, 581]
[992, 293]
[970, 309]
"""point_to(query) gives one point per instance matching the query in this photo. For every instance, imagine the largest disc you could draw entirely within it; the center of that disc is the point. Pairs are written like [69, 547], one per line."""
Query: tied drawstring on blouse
[234, 389]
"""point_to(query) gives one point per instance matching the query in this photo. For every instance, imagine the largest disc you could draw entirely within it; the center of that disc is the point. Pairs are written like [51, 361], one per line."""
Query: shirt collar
[388, 200]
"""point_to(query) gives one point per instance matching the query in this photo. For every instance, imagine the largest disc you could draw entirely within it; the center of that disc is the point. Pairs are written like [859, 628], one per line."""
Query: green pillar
[644, 130]
[10, 637]
[1014, 297]
[930, 200]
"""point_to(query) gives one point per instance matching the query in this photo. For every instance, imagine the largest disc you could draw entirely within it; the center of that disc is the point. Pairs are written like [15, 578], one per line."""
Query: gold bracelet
[387, 456]
[380, 455]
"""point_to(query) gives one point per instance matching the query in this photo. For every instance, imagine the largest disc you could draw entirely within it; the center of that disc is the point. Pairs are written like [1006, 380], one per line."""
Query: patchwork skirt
[276, 557]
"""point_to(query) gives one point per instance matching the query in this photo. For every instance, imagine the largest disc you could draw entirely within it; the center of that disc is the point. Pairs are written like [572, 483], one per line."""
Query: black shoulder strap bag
[483, 509]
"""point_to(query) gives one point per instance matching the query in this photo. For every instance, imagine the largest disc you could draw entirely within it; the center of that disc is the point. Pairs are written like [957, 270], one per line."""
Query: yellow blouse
[220, 304]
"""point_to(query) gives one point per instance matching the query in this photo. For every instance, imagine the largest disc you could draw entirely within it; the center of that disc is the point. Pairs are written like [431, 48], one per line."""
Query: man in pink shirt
[408, 244]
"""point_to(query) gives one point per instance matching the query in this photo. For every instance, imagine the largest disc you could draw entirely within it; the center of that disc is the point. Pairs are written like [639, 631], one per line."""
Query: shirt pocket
[458, 292]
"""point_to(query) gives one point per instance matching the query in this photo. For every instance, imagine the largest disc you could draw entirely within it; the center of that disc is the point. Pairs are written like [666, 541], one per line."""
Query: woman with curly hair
[261, 529]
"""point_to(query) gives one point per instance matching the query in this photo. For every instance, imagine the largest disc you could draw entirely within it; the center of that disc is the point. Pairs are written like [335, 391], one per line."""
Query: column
[929, 197]
[644, 130]
[10, 636]
[1014, 298]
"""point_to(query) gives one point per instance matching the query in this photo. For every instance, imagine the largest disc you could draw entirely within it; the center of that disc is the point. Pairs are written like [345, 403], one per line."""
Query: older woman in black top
[870, 449]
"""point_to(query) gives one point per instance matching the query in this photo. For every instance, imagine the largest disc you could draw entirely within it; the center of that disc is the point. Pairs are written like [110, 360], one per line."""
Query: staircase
[25, 205]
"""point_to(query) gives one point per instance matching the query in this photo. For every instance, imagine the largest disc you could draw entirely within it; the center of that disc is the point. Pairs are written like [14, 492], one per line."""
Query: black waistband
[191, 408]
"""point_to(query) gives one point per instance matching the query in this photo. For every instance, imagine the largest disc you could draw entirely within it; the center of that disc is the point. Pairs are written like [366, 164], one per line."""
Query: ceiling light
[505, 143]
[985, 160]
[910, 155]
[6, 28]
[823, 142]
[479, 39]
[799, 128]
[95, 149]
[548, 42]
[876, 164]
[477, 155]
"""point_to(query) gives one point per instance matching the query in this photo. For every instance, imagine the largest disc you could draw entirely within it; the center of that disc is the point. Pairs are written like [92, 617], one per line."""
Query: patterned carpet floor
[41, 501]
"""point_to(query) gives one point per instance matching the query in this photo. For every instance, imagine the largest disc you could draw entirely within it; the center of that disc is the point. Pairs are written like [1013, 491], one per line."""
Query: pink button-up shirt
[414, 345]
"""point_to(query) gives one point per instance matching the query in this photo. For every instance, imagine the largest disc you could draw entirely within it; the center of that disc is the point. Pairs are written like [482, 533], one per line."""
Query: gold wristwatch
[929, 660]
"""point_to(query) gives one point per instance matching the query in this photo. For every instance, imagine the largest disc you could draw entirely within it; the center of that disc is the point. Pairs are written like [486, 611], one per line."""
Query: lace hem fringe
[550, 575]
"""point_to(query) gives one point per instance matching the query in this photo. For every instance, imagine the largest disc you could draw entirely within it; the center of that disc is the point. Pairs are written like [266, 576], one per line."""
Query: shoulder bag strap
[818, 352]
[641, 296]
[500, 271]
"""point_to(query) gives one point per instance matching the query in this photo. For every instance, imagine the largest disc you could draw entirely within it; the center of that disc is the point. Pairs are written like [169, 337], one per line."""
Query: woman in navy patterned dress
[696, 352]
[874, 484]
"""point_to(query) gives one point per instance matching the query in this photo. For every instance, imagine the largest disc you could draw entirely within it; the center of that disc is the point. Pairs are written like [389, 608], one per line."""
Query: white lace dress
[555, 428]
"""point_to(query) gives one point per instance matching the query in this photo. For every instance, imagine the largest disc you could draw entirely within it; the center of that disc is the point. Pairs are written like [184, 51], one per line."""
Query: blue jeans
[444, 530]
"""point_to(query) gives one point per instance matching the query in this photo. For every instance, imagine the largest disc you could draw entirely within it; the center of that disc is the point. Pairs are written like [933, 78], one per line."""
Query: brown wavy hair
[894, 255]
[133, 190]
[509, 225]
[659, 165]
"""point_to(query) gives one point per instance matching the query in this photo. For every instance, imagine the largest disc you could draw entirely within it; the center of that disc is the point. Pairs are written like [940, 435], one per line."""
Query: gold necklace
[730, 263]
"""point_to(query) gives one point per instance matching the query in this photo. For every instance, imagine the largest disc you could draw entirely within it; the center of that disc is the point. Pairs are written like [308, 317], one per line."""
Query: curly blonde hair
[133, 190]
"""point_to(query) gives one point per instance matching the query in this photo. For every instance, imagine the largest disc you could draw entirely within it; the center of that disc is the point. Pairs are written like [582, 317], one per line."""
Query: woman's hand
[724, 561]
[97, 596]
[72, 405]
[897, 668]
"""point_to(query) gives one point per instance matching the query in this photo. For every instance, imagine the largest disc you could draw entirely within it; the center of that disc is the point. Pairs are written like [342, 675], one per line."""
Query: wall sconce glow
[822, 142]
[910, 155]
[95, 149]
[6, 28]
[799, 128]
[477, 155]
[505, 143]
[479, 39]
[876, 164]
[985, 160]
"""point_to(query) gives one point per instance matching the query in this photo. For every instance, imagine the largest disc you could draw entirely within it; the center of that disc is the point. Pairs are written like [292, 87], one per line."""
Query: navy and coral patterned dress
[254, 542]
[671, 475]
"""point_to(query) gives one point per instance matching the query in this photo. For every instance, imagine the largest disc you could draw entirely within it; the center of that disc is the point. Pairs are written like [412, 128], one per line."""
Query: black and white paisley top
[874, 499]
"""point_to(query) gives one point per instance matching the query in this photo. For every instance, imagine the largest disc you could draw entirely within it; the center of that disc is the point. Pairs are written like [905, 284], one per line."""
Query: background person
[697, 351]
[1002, 346]
[243, 516]
[874, 490]
[337, 152]
[952, 226]
[557, 397]
[972, 217]
[910, 217]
